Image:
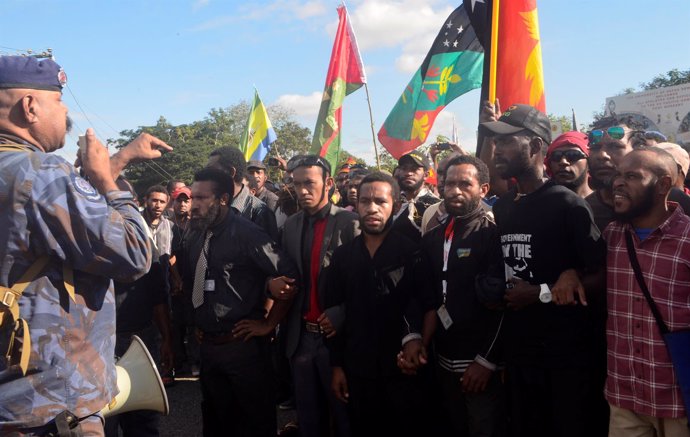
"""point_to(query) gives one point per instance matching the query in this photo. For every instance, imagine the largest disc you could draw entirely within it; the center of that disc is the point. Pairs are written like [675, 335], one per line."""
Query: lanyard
[447, 241]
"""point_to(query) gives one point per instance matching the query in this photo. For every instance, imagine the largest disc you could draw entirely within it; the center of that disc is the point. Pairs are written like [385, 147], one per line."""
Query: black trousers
[550, 402]
[473, 414]
[388, 405]
[238, 389]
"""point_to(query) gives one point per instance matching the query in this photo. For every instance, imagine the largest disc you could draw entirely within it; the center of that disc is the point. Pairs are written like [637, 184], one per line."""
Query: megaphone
[139, 383]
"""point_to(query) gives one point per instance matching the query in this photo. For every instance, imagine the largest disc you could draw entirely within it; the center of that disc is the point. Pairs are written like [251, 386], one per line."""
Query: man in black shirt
[231, 160]
[310, 236]
[548, 237]
[464, 253]
[379, 278]
[413, 168]
[228, 262]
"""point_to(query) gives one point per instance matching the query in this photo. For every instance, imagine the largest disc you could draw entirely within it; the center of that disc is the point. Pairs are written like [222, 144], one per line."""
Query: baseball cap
[519, 117]
[182, 190]
[256, 164]
[572, 138]
[679, 155]
[417, 158]
[32, 73]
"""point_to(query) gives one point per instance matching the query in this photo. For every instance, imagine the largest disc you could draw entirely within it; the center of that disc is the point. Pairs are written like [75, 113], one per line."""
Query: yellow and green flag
[259, 134]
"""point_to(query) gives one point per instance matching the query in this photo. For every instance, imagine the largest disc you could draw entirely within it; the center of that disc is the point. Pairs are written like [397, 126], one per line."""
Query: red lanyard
[447, 241]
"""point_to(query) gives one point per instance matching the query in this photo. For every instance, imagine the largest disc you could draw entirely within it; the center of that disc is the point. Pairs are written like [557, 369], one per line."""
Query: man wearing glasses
[610, 140]
[566, 162]
[310, 237]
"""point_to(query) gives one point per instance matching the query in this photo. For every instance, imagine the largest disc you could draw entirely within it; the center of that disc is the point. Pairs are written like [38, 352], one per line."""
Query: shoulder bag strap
[643, 285]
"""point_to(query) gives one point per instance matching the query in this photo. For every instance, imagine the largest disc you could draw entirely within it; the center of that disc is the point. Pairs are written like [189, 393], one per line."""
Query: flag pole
[574, 121]
[494, 51]
[373, 134]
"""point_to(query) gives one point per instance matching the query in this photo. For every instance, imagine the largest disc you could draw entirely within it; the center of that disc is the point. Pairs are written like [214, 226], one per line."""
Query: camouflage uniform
[46, 208]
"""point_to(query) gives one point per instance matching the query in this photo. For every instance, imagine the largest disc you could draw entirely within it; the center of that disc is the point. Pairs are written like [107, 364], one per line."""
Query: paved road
[185, 411]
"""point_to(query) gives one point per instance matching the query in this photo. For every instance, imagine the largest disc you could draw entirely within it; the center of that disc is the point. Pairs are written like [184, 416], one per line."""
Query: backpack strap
[9, 302]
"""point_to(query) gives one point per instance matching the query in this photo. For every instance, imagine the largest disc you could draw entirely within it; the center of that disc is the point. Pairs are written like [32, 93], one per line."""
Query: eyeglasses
[309, 161]
[614, 132]
[571, 155]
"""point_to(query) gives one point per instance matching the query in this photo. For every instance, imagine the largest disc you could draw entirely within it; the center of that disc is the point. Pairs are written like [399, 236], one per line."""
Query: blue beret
[30, 72]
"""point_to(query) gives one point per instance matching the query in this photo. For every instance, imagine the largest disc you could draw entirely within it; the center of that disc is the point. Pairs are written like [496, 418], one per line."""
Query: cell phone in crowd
[273, 162]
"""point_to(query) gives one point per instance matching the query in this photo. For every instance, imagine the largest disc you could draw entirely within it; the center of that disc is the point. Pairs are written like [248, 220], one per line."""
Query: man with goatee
[379, 278]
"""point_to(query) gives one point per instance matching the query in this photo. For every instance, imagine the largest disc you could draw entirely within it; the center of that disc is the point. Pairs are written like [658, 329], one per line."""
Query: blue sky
[130, 62]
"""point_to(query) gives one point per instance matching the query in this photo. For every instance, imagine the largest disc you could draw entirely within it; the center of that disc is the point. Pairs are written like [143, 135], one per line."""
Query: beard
[577, 183]
[203, 223]
[416, 186]
[463, 210]
[378, 231]
[646, 203]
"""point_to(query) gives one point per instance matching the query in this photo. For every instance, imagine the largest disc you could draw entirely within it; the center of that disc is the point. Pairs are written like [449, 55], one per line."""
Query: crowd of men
[499, 298]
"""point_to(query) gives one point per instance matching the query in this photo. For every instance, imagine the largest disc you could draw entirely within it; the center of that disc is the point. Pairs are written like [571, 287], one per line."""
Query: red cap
[572, 138]
[182, 190]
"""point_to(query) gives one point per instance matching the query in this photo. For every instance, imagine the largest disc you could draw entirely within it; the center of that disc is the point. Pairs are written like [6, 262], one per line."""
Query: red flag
[519, 69]
[345, 75]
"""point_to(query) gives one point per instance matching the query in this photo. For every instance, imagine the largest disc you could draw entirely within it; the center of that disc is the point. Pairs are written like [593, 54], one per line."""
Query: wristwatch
[544, 293]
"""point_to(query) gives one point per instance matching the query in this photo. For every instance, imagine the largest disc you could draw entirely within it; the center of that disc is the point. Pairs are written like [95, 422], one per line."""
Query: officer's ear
[29, 108]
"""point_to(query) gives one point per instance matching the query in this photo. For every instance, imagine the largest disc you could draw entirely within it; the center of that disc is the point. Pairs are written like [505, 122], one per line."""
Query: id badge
[444, 316]
[210, 285]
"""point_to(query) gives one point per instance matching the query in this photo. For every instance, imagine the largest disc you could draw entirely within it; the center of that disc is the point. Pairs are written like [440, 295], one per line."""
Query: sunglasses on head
[571, 155]
[614, 132]
[309, 161]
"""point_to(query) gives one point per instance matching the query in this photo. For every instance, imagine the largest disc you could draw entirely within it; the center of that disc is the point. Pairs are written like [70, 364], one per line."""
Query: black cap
[517, 118]
[417, 158]
[256, 164]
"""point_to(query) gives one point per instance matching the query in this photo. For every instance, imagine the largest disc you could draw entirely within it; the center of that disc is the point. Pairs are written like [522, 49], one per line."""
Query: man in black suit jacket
[310, 237]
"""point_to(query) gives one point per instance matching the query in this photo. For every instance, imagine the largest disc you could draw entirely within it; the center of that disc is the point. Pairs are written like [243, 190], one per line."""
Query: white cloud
[410, 24]
[303, 106]
[310, 9]
[199, 4]
[388, 23]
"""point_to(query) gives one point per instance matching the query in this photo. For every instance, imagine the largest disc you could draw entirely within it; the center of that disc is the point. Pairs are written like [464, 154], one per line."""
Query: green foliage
[193, 142]
[566, 123]
[670, 78]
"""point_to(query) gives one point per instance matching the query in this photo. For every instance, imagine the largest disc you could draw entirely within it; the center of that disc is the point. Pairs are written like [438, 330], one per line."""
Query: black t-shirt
[385, 298]
[135, 300]
[542, 234]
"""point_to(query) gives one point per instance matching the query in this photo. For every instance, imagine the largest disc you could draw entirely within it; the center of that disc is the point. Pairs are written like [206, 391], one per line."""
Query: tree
[564, 122]
[670, 78]
[193, 142]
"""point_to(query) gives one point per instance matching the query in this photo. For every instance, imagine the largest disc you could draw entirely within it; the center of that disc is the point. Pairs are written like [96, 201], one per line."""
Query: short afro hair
[222, 181]
[231, 158]
[378, 176]
[482, 169]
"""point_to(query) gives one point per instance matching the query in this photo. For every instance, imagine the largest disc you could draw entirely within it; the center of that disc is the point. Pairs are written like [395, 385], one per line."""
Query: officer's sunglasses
[614, 132]
[571, 155]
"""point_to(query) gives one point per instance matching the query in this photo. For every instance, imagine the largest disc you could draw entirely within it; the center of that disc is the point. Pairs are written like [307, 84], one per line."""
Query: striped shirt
[640, 372]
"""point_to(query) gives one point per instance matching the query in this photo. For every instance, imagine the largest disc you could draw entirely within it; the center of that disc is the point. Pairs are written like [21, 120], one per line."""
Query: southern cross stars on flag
[452, 67]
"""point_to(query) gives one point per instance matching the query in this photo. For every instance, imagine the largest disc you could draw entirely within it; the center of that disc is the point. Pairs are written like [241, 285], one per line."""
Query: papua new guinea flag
[519, 68]
[452, 67]
[345, 75]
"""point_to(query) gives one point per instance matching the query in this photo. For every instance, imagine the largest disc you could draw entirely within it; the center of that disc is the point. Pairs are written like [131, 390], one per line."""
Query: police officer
[63, 237]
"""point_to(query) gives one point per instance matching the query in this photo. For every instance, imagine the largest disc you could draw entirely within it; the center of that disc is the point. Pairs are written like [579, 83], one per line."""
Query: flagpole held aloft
[373, 133]
[493, 61]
